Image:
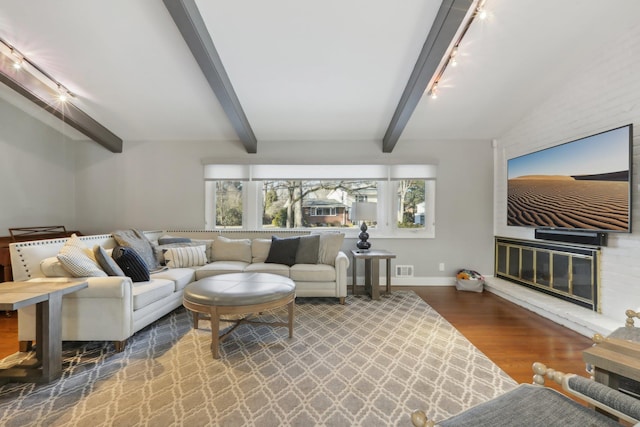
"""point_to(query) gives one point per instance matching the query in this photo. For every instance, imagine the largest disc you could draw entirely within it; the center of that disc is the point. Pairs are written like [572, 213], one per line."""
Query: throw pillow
[283, 251]
[137, 241]
[52, 267]
[107, 263]
[78, 259]
[185, 257]
[167, 240]
[330, 245]
[159, 250]
[308, 249]
[225, 249]
[260, 250]
[131, 263]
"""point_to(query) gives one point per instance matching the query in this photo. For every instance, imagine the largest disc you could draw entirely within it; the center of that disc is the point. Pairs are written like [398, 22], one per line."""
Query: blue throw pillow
[131, 263]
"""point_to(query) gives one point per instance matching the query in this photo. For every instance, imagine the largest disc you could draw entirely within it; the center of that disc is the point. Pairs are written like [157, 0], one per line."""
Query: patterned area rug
[367, 363]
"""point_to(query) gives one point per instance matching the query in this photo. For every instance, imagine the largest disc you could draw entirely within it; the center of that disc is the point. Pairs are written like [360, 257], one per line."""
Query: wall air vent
[404, 270]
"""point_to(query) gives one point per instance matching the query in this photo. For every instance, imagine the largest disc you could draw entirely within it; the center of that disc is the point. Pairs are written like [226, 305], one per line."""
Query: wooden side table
[614, 359]
[372, 260]
[47, 296]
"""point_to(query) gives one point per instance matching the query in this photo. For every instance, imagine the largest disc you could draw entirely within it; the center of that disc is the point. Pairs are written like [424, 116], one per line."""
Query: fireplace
[568, 272]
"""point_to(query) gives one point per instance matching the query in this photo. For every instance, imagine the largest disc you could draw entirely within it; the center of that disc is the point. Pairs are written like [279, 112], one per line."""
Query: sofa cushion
[140, 243]
[263, 267]
[52, 267]
[308, 249]
[131, 263]
[180, 276]
[312, 273]
[145, 293]
[185, 257]
[260, 249]
[225, 249]
[330, 245]
[220, 267]
[78, 259]
[107, 263]
[283, 251]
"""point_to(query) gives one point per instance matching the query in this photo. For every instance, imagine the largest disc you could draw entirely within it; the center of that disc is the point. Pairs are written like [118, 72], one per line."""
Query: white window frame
[386, 224]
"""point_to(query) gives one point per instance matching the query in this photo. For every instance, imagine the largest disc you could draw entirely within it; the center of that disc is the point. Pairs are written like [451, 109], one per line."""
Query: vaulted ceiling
[302, 71]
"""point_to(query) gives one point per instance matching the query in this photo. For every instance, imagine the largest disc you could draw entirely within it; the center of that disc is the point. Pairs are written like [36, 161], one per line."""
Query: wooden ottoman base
[238, 294]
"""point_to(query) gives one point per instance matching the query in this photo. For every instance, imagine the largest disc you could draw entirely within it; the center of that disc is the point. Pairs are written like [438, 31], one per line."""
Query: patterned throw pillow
[78, 259]
[185, 257]
[131, 263]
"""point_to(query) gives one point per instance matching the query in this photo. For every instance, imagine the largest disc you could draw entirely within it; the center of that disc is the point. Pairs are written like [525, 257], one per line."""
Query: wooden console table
[47, 296]
[372, 260]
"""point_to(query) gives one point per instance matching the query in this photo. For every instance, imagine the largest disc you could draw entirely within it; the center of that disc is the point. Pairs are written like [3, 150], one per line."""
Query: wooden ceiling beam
[443, 31]
[187, 17]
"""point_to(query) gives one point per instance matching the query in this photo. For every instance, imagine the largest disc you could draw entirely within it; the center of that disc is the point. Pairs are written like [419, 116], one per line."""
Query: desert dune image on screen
[582, 184]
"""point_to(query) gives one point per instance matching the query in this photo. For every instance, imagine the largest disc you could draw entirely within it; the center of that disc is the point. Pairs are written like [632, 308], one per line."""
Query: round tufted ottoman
[238, 293]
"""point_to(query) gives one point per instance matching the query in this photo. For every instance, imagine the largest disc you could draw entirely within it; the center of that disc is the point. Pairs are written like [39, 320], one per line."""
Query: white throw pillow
[79, 260]
[191, 256]
[225, 249]
[330, 245]
[260, 249]
[52, 267]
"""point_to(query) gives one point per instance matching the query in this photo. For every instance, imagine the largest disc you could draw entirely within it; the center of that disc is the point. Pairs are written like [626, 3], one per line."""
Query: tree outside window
[411, 204]
[228, 203]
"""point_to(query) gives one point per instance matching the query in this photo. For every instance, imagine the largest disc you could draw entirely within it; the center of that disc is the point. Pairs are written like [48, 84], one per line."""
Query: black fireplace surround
[568, 272]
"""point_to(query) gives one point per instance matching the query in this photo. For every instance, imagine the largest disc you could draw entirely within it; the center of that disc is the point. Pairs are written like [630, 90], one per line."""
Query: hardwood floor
[8, 333]
[511, 336]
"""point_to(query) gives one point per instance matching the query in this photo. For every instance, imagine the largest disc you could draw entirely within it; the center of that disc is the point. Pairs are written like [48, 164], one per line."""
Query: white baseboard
[411, 281]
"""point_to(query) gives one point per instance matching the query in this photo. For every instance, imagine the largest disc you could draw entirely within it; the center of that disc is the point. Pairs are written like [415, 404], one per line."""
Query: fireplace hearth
[568, 272]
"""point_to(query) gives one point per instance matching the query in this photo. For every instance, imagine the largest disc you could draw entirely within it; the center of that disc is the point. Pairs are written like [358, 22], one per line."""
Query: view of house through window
[400, 198]
[296, 204]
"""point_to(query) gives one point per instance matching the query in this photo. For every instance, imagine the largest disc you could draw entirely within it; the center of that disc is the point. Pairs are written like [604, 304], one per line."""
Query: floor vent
[404, 270]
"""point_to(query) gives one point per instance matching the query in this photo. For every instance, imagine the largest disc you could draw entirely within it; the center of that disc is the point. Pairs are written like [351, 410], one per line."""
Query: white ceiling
[308, 71]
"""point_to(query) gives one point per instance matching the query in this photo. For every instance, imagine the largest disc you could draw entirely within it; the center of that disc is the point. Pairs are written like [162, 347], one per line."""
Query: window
[410, 199]
[311, 203]
[313, 196]
[228, 204]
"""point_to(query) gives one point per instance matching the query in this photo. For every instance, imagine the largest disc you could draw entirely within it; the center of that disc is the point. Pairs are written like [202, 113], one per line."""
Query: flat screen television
[582, 185]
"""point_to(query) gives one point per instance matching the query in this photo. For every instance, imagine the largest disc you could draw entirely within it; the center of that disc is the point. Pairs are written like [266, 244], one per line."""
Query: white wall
[604, 94]
[160, 185]
[37, 173]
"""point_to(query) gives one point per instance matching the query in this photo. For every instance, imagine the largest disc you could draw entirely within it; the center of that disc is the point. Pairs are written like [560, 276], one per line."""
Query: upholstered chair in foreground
[536, 405]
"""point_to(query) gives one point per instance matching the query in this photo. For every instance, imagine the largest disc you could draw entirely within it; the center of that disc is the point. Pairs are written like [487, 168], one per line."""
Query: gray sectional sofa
[113, 308]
